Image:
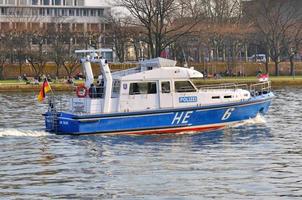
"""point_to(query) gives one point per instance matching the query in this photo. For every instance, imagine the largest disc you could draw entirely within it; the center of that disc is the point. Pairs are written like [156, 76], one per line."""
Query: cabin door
[165, 94]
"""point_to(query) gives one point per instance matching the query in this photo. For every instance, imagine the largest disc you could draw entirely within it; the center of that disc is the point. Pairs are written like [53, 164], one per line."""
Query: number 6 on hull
[227, 114]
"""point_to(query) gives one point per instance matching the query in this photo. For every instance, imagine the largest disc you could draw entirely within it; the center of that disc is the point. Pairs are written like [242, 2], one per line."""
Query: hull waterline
[194, 119]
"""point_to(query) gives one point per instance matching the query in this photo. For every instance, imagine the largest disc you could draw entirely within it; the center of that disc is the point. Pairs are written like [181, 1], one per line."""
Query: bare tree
[163, 21]
[292, 43]
[38, 58]
[23, 25]
[61, 41]
[274, 19]
[4, 53]
[220, 33]
[119, 34]
[71, 64]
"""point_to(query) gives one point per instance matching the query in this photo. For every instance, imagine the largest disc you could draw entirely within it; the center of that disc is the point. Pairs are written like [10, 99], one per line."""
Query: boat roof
[157, 69]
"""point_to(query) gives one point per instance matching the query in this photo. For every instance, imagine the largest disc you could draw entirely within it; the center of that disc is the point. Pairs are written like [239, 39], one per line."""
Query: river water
[261, 159]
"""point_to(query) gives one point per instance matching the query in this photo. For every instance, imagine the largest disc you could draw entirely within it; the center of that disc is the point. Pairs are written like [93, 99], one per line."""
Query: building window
[184, 86]
[57, 2]
[142, 88]
[35, 12]
[22, 2]
[1, 1]
[46, 2]
[71, 12]
[3, 11]
[57, 12]
[48, 12]
[10, 2]
[64, 12]
[68, 2]
[79, 12]
[11, 11]
[80, 2]
[92, 12]
[100, 12]
[34, 2]
[41, 12]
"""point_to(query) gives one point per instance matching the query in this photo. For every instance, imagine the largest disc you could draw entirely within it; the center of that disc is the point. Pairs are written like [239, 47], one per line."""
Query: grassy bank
[16, 86]
[282, 81]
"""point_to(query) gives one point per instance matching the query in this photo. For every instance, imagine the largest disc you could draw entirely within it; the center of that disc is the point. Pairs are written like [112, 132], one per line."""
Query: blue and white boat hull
[159, 121]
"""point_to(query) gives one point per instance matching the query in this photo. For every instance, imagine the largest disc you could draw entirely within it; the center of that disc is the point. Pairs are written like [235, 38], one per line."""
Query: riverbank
[282, 81]
[23, 87]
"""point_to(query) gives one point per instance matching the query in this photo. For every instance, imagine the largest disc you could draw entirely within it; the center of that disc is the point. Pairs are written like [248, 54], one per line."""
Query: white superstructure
[154, 84]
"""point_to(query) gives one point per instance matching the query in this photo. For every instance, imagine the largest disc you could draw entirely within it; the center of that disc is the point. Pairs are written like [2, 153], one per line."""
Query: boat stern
[60, 123]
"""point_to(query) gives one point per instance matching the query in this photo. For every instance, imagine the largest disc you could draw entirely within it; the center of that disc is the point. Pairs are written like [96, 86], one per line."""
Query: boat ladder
[53, 115]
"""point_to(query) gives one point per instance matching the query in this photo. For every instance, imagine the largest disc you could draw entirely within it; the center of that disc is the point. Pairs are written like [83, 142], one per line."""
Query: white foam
[4, 132]
[259, 119]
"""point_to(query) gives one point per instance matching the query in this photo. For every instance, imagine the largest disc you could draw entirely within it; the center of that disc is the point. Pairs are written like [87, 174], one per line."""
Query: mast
[105, 70]
[88, 71]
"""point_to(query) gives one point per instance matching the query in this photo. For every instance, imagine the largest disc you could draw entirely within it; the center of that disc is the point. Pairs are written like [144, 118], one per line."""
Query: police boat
[153, 98]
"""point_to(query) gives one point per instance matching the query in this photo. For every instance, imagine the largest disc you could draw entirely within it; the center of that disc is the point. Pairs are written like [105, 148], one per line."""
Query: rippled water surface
[261, 159]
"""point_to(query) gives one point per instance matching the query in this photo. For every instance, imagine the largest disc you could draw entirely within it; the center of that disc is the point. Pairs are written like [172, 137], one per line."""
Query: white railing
[260, 88]
[126, 72]
[255, 89]
[225, 86]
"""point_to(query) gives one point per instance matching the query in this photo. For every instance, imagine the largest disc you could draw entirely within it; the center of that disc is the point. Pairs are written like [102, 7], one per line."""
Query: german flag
[44, 89]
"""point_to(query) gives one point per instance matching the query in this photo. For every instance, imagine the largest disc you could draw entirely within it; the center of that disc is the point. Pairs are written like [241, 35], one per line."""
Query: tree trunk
[136, 50]
[267, 60]
[1, 72]
[266, 67]
[292, 66]
[277, 73]
[246, 52]
[20, 69]
[36, 71]
[57, 72]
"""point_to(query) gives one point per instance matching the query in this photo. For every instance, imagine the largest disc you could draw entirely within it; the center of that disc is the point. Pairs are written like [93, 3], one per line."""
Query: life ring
[81, 91]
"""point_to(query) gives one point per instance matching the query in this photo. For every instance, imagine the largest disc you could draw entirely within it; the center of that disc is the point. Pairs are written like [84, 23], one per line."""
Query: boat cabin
[155, 84]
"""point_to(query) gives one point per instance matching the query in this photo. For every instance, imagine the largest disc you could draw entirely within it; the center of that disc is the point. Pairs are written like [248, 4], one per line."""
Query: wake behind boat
[155, 97]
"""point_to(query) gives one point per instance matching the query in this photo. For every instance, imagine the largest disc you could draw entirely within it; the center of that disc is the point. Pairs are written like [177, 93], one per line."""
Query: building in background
[35, 15]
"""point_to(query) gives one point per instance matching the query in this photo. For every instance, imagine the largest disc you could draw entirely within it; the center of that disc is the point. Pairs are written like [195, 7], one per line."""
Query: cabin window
[165, 87]
[142, 88]
[228, 96]
[116, 88]
[184, 86]
[215, 97]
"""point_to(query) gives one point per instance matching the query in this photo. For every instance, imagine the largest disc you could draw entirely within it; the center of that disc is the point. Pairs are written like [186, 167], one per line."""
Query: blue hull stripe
[169, 111]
